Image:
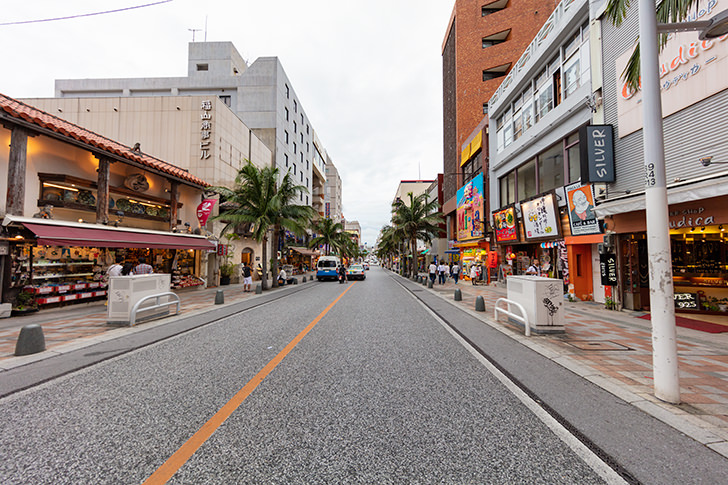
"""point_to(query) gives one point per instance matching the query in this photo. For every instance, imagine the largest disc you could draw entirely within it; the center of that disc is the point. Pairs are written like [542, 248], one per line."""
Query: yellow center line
[185, 452]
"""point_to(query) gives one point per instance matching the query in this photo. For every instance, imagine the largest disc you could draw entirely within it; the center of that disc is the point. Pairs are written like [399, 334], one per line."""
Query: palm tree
[288, 216]
[328, 234]
[667, 11]
[251, 201]
[387, 244]
[417, 220]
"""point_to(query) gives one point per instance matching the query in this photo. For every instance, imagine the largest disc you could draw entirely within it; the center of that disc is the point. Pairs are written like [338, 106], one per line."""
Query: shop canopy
[305, 251]
[61, 233]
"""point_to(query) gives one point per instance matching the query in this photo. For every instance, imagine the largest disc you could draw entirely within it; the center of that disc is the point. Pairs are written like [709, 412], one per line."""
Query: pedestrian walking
[143, 267]
[441, 269]
[534, 269]
[473, 274]
[455, 272]
[433, 272]
[247, 278]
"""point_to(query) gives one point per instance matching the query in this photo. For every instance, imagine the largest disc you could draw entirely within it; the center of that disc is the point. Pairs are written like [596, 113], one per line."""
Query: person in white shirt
[441, 270]
[433, 272]
[115, 269]
[473, 274]
[534, 269]
[282, 277]
[455, 272]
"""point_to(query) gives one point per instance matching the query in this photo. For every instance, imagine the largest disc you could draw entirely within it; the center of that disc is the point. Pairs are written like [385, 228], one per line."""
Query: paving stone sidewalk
[614, 350]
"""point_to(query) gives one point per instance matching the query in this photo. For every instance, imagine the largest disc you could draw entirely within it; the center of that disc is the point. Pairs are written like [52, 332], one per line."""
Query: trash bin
[543, 300]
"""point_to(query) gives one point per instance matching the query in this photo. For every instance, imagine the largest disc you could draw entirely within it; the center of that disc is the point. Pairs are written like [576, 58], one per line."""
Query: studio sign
[596, 150]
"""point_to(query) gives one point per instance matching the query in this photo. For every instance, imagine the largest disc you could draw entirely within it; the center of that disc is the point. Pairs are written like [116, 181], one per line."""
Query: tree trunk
[264, 265]
[274, 255]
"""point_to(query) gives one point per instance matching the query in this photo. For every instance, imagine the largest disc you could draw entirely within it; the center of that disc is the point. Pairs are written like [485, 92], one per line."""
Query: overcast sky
[368, 73]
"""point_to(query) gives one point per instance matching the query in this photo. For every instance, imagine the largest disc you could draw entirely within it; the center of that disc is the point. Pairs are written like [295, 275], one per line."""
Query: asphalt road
[377, 392]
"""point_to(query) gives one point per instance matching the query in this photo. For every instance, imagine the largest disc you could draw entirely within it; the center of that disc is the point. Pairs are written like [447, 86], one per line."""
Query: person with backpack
[247, 278]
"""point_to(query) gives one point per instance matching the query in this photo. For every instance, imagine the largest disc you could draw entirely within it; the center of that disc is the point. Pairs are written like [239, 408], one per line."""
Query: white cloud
[369, 74]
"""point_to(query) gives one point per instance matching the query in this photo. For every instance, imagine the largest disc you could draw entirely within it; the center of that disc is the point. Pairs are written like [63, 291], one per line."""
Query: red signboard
[504, 222]
[204, 210]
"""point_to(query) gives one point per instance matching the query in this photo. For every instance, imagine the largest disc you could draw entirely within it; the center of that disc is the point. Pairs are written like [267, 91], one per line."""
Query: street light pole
[662, 306]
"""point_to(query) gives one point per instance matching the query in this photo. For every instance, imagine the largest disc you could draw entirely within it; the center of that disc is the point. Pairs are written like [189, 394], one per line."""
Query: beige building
[417, 187]
[200, 134]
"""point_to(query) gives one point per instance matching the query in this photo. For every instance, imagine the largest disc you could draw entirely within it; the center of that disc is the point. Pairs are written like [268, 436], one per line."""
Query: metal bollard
[295, 281]
[304, 280]
[458, 295]
[429, 283]
[479, 304]
[30, 340]
[424, 281]
[258, 289]
[219, 297]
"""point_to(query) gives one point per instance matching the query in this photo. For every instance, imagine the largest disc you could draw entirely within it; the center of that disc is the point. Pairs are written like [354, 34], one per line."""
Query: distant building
[417, 187]
[260, 94]
[332, 198]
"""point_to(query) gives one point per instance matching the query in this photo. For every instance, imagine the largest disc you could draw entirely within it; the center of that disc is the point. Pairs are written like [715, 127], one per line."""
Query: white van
[327, 267]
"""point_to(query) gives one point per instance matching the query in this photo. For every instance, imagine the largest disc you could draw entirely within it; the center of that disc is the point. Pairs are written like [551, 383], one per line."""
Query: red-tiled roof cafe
[77, 200]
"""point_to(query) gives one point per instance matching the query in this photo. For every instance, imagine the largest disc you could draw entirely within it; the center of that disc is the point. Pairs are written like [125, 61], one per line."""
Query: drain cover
[597, 345]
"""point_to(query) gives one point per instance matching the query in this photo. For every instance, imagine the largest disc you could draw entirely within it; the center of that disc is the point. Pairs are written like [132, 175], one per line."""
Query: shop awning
[305, 251]
[452, 251]
[61, 233]
[714, 187]
[425, 251]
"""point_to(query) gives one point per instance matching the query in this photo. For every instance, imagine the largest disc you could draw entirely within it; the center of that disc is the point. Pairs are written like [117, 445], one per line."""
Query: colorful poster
[540, 217]
[504, 222]
[470, 201]
[582, 219]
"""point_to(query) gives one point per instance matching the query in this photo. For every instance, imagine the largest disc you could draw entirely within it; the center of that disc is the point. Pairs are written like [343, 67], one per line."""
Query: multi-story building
[260, 94]
[537, 116]
[694, 92]
[483, 41]
[200, 133]
[354, 229]
[333, 207]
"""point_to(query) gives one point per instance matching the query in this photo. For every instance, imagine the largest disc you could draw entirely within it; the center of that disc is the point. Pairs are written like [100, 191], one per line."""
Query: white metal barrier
[508, 312]
[175, 300]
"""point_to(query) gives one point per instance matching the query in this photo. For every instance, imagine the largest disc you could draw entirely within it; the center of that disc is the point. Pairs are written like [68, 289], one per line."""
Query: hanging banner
[504, 223]
[540, 217]
[470, 209]
[204, 210]
[582, 219]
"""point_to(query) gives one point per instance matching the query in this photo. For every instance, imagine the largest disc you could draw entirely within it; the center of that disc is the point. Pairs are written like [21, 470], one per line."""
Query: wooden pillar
[102, 194]
[17, 162]
[173, 200]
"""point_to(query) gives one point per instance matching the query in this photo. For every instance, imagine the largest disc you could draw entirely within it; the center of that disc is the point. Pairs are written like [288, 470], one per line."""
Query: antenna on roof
[193, 33]
[205, 28]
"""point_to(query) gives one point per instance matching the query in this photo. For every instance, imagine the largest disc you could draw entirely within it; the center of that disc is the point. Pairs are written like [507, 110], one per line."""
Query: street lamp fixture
[707, 161]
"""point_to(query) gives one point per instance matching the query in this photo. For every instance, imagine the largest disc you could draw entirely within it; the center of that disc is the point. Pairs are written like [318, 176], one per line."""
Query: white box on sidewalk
[126, 291]
[543, 300]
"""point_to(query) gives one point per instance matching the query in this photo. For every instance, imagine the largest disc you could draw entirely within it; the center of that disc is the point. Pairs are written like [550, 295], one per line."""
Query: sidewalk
[614, 350]
[76, 325]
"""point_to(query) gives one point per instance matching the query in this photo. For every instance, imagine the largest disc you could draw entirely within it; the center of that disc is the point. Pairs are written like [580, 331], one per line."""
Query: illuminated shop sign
[540, 217]
[504, 223]
[470, 209]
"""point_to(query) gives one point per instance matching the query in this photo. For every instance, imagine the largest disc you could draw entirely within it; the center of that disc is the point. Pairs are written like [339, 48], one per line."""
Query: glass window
[294, 148]
[508, 127]
[286, 113]
[572, 74]
[286, 135]
[526, 175]
[499, 133]
[295, 127]
[508, 189]
[544, 99]
[286, 156]
[295, 106]
[572, 157]
[551, 168]
[528, 114]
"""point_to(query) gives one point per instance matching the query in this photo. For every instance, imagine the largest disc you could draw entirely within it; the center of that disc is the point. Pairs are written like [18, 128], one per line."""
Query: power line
[84, 15]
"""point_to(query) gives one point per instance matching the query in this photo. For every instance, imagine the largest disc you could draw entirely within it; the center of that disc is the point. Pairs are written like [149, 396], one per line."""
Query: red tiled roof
[18, 109]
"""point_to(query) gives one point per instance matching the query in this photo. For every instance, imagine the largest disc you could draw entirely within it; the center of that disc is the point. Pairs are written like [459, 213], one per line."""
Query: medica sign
[690, 71]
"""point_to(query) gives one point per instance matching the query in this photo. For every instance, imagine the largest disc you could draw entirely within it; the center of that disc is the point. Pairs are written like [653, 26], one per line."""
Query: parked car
[356, 272]
[366, 266]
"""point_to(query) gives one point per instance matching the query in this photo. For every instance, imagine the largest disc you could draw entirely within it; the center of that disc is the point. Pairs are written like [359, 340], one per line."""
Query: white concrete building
[260, 94]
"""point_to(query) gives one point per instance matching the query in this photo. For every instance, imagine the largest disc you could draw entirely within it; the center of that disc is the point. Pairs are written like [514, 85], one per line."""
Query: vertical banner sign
[540, 217]
[204, 210]
[596, 153]
[608, 269]
[582, 219]
[504, 222]
[470, 209]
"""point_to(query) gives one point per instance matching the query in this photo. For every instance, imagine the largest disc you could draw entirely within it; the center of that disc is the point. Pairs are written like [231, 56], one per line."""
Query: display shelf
[70, 275]
[48, 300]
[44, 290]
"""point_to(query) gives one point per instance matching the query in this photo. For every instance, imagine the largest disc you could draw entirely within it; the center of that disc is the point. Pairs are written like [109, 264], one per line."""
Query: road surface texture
[355, 383]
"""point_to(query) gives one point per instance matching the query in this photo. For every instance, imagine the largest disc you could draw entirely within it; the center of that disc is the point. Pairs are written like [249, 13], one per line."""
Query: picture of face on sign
[581, 208]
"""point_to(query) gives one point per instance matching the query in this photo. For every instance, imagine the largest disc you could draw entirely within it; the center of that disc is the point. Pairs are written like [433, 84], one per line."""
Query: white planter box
[126, 291]
[543, 300]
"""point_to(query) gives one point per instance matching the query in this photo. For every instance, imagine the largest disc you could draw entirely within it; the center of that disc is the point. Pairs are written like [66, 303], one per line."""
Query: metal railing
[135, 309]
[507, 311]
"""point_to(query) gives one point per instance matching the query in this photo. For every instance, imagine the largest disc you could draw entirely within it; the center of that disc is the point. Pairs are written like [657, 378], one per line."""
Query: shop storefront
[699, 247]
[63, 262]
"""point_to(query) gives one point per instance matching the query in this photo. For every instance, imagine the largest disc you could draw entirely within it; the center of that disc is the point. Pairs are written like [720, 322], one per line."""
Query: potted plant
[24, 303]
[609, 303]
[226, 271]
